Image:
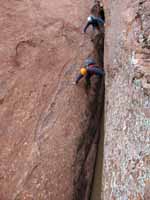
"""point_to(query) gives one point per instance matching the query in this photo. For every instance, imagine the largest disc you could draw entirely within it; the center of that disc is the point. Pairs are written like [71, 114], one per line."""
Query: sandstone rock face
[49, 128]
[126, 170]
[46, 123]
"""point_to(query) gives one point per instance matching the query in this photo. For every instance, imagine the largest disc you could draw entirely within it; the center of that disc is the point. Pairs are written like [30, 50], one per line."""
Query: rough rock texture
[47, 124]
[126, 170]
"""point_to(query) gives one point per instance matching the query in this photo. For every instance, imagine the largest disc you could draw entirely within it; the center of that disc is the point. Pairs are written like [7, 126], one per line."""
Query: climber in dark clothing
[89, 70]
[94, 21]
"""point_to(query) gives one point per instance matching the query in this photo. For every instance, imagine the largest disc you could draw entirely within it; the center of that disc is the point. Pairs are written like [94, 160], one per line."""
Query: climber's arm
[87, 25]
[95, 70]
[100, 21]
[78, 78]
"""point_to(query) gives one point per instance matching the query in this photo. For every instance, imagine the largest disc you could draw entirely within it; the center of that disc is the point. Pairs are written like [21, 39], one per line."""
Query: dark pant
[87, 78]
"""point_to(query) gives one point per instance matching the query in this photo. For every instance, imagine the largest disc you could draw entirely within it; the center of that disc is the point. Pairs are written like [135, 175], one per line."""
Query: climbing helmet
[83, 71]
[89, 19]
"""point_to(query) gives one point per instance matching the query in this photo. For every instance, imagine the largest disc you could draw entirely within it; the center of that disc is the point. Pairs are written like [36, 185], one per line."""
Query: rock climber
[90, 68]
[94, 21]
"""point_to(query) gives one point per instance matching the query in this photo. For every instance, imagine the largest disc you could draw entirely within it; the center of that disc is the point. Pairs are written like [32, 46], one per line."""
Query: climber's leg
[88, 81]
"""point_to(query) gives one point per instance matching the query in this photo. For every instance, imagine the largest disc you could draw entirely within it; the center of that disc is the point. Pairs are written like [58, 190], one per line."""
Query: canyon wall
[126, 169]
[48, 125]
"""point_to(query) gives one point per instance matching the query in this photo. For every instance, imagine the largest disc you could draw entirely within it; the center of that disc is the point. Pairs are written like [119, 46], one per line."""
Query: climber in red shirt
[90, 68]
